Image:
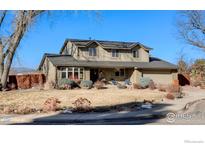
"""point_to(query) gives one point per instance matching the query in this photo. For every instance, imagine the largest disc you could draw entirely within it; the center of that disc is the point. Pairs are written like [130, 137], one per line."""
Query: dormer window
[135, 53]
[92, 51]
[115, 53]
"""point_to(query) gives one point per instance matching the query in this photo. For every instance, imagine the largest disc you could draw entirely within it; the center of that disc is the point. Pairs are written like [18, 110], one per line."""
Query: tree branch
[2, 17]
[191, 28]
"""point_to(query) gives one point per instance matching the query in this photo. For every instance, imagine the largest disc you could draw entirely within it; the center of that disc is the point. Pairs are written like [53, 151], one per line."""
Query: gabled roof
[65, 60]
[47, 55]
[105, 44]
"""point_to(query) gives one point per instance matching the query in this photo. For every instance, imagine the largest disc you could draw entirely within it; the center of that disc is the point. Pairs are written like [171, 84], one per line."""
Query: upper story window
[115, 53]
[92, 51]
[135, 53]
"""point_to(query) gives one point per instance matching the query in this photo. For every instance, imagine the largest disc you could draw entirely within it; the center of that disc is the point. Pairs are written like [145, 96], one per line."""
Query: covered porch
[94, 74]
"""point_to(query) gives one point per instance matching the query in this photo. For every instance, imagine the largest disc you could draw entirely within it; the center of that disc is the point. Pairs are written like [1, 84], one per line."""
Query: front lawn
[104, 97]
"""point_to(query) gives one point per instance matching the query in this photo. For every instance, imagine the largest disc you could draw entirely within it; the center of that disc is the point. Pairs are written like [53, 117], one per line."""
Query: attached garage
[160, 76]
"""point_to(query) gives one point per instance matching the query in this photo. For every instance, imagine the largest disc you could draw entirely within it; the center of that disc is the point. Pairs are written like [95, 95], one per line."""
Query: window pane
[70, 75]
[113, 53]
[75, 75]
[75, 69]
[63, 75]
[81, 73]
[70, 69]
[136, 54]
[92, 51]
[117, 53]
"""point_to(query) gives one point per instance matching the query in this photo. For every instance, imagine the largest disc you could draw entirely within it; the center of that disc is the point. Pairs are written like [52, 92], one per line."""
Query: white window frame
[63, 71]
[73, 72]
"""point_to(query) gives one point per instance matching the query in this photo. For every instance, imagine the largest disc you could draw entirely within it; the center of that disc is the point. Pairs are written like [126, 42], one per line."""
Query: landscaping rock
[120, 86]
[67, 111]
[99, 85]
[170, 96]
[144, 82]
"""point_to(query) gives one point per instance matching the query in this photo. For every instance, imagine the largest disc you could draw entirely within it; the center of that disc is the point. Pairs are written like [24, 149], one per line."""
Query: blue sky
[155, 29]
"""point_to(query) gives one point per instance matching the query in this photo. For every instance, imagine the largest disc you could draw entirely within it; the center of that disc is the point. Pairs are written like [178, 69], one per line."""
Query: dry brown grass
[110, 96]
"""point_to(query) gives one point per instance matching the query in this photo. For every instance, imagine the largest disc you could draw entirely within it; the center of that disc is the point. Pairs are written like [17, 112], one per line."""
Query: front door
[93, 74]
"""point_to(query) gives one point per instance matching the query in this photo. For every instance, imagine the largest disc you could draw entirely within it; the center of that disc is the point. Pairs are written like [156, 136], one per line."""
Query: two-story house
[91, 59]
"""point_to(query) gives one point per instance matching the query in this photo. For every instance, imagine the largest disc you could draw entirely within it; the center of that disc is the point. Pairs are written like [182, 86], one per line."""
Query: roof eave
[64, 44]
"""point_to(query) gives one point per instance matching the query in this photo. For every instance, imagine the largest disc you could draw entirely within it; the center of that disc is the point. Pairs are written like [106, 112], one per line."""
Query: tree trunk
[22, 21]
[1, 67]
[6, 68]
[1, 60]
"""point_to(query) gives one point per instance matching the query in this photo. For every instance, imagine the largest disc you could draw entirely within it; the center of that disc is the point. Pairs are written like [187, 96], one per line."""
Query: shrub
[13, 109]
[82, 105]
[152, 85]
[7, 109]
[66, 84]
[51, 104]
[24, 110]
[86, 84]
[170, 96]
[99, 85]
[144, 82]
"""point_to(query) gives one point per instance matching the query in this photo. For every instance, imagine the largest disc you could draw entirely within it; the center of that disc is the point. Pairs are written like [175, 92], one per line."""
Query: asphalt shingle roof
[155, 63]
[107, 44]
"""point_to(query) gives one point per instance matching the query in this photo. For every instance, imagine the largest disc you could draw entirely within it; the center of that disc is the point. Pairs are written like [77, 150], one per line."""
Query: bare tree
[191, 28]
[183, 66]
[21, 22]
